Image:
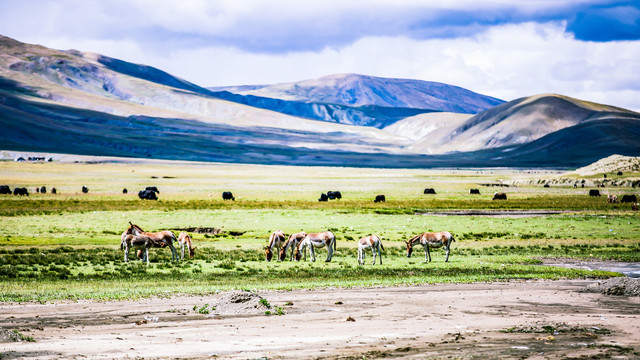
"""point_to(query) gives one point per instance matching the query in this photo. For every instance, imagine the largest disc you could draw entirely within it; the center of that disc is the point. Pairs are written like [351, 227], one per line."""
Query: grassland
[66, 246]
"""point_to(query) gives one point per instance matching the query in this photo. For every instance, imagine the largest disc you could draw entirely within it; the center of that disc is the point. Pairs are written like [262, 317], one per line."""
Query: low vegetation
[66, 246]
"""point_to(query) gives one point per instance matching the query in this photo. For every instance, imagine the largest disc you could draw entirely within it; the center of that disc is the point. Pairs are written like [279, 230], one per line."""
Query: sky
[587, 49]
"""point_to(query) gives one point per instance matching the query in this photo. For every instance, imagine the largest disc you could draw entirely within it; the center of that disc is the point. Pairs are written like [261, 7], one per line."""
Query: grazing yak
[380, 198]
[634, 206]
[546, 185]
[332, 195]
[594, 192]
[124, 191]
[429, 191]
[5, 189]
[323, 197]
[227, 195]
[21, 191]
[147, 195]
[43, 190]
[474, 191]
[629, 198]
[54, 191]
[499, 196]
[85, 189]
[612, 199]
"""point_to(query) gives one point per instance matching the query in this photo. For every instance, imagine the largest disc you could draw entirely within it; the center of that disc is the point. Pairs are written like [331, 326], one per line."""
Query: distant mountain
[358, 99]
[88, 104]
[361, 90]
[369, 115]
[517, 122]
[34, 78]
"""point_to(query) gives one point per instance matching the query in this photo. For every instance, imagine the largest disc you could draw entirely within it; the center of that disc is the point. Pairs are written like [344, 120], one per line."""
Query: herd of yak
[151, 193]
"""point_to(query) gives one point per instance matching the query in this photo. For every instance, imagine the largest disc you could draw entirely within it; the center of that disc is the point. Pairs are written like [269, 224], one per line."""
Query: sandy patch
[521, 319]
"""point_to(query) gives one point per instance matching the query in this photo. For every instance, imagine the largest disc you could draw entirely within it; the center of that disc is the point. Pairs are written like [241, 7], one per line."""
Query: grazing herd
[298, 244]
[141, 241]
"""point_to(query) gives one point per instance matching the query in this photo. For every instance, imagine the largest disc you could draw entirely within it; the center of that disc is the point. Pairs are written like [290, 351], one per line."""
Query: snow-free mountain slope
[362, 90]
[74, 102]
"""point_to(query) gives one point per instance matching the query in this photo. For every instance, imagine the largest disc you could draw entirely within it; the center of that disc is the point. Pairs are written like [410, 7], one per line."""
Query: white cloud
[507, 62]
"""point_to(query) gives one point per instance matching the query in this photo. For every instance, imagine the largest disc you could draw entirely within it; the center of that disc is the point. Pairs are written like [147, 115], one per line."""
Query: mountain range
[90, 104]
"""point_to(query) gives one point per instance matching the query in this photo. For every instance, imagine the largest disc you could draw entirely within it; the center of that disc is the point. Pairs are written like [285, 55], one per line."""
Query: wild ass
[140, 243]
[433, 240]
[372, 242]
[159, 239]
[276, 240]
[184, 240]
[316, 240]
[291, 243]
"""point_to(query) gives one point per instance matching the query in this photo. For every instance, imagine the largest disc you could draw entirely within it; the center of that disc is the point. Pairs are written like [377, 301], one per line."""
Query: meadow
[67, 245]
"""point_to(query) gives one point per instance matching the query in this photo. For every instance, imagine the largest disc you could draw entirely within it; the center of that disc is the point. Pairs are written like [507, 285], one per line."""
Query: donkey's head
[268, 252]
[409, 248]
[134, 229]
[283, 253]
[410, 243]
[192, 252]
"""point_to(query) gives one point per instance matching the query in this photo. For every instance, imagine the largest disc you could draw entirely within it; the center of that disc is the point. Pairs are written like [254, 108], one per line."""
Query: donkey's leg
[312, 253]
[126, 253]
[427, 254]
[146, 255]
[174, 252]
[373, 254]
[447, 248]
[182, 244]
[329, 252]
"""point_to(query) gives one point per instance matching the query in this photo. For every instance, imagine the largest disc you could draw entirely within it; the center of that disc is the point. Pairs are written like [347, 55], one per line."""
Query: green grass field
[66, 246]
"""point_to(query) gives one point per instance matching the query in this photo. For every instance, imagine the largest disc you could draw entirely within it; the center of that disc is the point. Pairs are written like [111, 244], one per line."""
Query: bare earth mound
[611, 164]
[617, 286]
[516, 319]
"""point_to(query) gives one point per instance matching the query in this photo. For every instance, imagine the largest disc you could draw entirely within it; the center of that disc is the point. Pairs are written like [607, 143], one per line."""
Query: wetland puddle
[499, 213]
[629, 269]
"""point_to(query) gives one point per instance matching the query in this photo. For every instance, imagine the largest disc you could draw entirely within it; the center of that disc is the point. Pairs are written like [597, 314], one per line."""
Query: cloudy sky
[588, 49]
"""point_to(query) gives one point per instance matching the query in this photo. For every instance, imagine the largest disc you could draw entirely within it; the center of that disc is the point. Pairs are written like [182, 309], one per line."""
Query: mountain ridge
[61, 101]
[362, 90]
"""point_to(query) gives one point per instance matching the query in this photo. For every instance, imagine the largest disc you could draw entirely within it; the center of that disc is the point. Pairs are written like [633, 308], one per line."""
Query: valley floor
[515, 319]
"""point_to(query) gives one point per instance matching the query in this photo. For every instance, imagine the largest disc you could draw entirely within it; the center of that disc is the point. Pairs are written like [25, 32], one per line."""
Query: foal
[184, 240]
[158, 239]
[291, 243]
[372, 242]
[141, 243]
[276, 240]
[433, 240]
[316, 240]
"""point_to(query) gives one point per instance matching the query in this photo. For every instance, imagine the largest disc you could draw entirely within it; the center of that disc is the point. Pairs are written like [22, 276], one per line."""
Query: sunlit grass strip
[291, 277]
[10, 206]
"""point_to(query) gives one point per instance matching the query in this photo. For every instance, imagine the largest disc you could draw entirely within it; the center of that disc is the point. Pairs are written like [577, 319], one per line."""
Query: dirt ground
[516, 319]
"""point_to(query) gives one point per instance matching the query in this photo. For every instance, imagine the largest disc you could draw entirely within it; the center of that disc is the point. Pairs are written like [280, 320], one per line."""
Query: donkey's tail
[381, 247]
